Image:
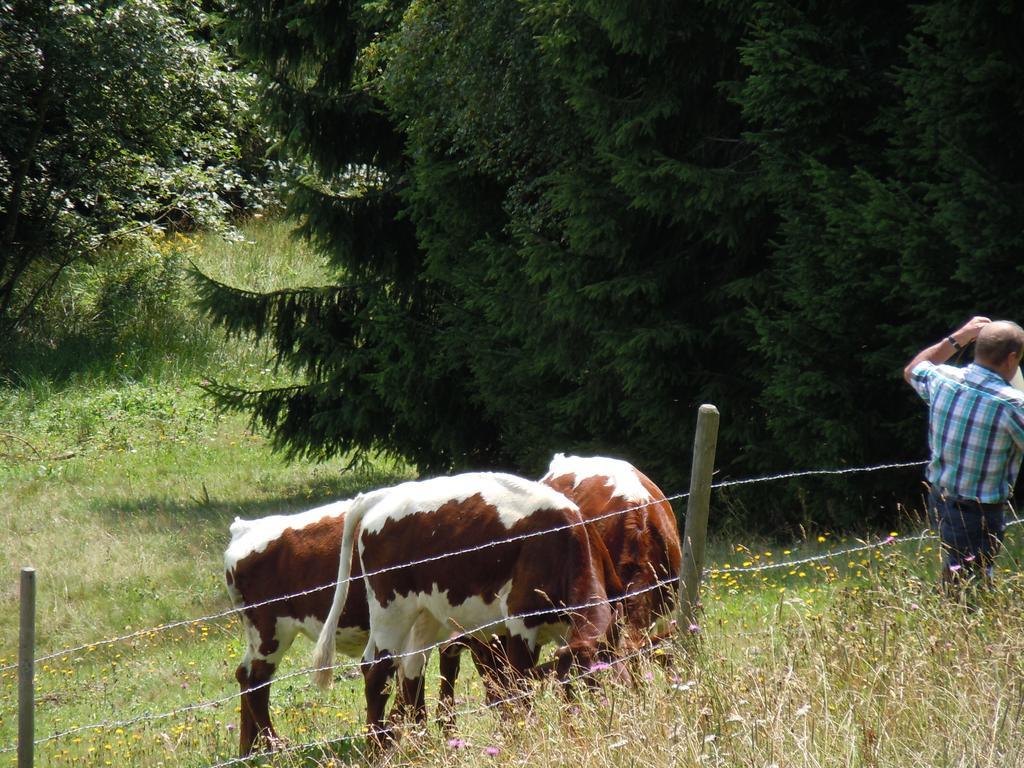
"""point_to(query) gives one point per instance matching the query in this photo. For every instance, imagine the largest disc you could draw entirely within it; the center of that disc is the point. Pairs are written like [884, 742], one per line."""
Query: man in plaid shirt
[976, 438]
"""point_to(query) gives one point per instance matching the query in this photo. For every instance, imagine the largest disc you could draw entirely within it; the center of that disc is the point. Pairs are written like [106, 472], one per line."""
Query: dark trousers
[971, 533]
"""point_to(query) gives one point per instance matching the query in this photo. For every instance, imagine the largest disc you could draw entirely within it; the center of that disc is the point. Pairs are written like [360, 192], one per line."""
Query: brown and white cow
[277, 557]
[269, 564]
[637, 526]
[503, 578]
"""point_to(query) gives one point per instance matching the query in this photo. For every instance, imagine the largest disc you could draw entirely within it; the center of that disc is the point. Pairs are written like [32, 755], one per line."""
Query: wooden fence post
[705, 441]
[26, 669]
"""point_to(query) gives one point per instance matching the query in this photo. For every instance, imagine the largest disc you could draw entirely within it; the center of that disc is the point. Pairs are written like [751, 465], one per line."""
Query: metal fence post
[26, 669]
[705, 442]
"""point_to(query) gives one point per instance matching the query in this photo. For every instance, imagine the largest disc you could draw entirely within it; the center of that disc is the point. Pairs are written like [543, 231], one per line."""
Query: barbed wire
[398, 566]
[342, 666]
[241, 609]
[810, 472]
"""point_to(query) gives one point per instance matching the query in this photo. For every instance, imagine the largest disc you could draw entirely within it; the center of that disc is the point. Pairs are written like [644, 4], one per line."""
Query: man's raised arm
[941, 351]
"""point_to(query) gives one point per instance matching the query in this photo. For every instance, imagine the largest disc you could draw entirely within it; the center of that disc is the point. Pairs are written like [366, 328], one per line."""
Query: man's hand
[970, 330]
[941, 352]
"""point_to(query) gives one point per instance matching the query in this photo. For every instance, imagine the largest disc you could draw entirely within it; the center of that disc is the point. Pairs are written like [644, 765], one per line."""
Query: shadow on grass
[167, 340]
[159, 512]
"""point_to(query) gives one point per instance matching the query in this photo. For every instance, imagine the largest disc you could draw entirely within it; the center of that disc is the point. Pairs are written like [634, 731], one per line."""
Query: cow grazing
[268, 564]
[419, 593]
[635, 524]
[275, 557]
[642, 541]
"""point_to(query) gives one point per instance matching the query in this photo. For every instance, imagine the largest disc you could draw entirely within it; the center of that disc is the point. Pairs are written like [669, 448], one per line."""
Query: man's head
[999, 347]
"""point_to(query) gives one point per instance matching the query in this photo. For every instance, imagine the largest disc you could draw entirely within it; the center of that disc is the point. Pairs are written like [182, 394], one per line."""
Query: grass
[118, 483]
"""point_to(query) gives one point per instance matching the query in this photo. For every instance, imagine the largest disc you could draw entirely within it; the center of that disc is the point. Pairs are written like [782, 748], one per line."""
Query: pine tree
[363, 348]
[597, 251]
[875, 125]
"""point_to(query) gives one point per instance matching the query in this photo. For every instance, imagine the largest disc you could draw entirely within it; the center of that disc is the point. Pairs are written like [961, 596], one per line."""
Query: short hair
[997, 340]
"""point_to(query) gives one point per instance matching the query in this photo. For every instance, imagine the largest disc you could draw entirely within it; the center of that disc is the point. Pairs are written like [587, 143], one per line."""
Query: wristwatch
[954, 342]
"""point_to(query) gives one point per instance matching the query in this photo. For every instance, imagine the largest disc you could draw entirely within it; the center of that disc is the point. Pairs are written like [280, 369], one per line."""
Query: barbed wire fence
[150, 632]
[212, 704]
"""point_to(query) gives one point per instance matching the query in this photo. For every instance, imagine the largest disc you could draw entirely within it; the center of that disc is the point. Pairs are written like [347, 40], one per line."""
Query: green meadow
[118, 482]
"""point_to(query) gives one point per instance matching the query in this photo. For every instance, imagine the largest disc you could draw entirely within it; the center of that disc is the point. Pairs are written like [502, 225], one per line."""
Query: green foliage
[829, 314]
[876, 127]
[543, 303]
[563, 226]
[117, 121]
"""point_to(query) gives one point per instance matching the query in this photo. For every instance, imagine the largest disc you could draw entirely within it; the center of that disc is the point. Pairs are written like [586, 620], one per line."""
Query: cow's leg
[376, 675]
[254, 676]
[521, 653]
[492, 664]
[411, 698]
[424, 632]
[254, 681]
[449, 661]
[390, 629]
[514, 658]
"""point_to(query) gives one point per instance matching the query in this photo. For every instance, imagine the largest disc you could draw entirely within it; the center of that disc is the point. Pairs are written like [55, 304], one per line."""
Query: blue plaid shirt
[975, 430]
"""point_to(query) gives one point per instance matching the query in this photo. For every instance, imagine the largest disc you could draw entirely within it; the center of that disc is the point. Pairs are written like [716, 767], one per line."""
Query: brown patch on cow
[550, 570]
[642, 541]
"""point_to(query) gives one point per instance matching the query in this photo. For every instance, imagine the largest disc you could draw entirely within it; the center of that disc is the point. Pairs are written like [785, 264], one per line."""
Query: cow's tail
[323, 654]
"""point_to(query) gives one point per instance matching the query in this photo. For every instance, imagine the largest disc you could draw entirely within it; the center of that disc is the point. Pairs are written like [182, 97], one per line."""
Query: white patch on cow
[350, 641]
[513, 497]
[393, 623]
[620, 474]
[424, 633]
[541, 634]
[252, 536]
[255, 642]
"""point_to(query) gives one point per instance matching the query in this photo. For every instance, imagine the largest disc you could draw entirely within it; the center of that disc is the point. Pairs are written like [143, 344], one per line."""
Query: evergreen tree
[598, 252]
[562, 226]
[364, 349]
[662, 228]
[828, 314]
[958, 170]
[875, 125]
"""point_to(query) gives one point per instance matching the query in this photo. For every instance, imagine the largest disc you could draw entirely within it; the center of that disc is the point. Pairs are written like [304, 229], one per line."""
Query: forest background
[549, 225]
